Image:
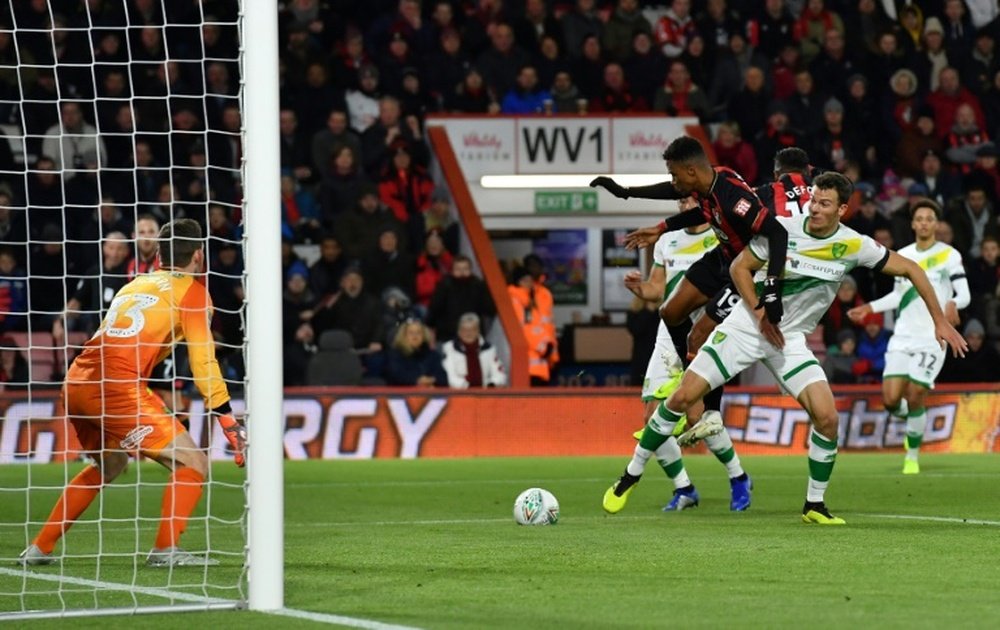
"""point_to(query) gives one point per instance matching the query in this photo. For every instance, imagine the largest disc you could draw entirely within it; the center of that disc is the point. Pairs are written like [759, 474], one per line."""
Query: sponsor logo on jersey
[135, 437]
[805, 266]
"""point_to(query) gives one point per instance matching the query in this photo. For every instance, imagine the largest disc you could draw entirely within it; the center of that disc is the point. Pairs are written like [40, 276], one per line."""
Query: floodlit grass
[432, 543]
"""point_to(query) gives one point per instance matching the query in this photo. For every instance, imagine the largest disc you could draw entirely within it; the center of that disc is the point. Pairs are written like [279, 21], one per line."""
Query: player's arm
[651, 289]
[962, 296]
[648, 235]
[661, 190]
[896, 265]
[777, 245]
[195, 311]
[741, 271]
[887, 302]
[777, 251]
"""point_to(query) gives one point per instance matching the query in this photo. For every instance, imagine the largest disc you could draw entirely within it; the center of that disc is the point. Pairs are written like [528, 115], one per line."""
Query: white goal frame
[262, 224]
[264, 552]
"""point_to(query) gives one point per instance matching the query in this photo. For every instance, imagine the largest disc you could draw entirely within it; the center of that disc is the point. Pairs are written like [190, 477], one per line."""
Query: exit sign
[582, 201]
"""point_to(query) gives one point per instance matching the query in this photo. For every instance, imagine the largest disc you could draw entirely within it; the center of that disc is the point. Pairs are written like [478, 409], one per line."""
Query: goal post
[263, 225]
[176, 115]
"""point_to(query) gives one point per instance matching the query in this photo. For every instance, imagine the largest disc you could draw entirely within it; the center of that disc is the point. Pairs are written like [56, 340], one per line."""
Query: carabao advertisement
[406, 424]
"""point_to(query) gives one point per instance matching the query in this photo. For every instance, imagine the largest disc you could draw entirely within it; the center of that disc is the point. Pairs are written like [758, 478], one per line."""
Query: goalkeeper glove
[611, 186]
[235, 433]
[770, 300]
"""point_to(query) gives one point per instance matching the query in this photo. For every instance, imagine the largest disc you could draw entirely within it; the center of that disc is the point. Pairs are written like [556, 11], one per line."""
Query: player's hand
[945, 333]
[642, 237]
[770, 300]
[236, 434]
[858, 313]
[951, 313]
[633, 280]
[771, 332]
[610, 185]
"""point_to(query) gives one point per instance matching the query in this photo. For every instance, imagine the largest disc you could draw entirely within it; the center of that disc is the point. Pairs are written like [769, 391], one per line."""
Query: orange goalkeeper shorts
[125, 418]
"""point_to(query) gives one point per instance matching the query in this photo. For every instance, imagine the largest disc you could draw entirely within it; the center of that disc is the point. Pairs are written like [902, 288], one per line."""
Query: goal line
[192, 602]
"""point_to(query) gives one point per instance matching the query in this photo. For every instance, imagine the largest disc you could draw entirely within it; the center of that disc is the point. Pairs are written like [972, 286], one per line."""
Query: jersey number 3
[131, 308]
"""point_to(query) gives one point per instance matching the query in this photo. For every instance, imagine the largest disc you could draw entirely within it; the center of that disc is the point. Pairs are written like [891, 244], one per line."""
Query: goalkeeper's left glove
[235, 433]
[770, 300]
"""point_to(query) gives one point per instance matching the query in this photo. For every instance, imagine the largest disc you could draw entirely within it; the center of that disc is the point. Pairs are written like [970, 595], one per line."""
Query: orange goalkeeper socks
[75, 499]
[179, 500]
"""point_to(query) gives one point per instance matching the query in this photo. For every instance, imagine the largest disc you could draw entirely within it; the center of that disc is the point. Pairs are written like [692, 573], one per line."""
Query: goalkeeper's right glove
[611, 186]
[235, 433]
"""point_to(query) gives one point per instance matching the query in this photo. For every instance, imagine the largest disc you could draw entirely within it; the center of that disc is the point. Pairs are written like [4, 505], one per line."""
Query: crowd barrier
[382, 423]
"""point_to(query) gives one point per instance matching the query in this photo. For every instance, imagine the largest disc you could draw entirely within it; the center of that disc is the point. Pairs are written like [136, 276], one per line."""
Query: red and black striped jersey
[733, 209]
[789, 196]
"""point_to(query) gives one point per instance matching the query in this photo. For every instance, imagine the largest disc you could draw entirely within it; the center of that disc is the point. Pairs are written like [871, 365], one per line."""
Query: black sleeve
[686, 219]
[83, 292]
[885, 259]
[663, 190]
[777, 245]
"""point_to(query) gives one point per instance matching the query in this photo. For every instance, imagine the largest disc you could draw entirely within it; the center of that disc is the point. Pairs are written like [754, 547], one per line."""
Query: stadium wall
[336, 423]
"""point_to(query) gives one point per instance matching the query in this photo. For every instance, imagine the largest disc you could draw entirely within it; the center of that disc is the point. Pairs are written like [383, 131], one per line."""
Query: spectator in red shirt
[617, 95]
[675, 28]
[406, 188]
[433, 264]
[732, 151]
[679, 95]
[946, 99]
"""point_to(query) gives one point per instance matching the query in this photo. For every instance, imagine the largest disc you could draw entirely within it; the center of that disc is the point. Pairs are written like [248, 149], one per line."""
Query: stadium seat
[335, 363]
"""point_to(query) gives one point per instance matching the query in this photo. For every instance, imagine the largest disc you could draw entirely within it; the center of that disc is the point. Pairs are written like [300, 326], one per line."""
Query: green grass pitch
[432, 544]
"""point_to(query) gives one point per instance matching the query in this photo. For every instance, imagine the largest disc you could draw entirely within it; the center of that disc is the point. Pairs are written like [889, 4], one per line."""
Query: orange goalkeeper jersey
[147, 317]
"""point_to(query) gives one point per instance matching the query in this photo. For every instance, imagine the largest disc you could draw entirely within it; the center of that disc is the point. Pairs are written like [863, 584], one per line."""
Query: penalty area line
[340, 620]
[933, 519]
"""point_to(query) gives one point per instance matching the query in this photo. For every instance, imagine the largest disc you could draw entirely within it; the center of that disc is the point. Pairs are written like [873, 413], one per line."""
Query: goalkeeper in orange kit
[115, 414]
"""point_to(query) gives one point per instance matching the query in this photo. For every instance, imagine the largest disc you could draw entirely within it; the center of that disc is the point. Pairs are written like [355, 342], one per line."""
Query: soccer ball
[536, 506]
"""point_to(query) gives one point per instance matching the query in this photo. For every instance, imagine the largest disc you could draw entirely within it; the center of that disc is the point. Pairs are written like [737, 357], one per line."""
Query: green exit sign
[579, 201]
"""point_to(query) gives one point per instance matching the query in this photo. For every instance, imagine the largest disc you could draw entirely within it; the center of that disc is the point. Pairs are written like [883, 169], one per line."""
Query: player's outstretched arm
[741, 272]
[662, 190]
[887, 302]
[646, 236]
[944, 332]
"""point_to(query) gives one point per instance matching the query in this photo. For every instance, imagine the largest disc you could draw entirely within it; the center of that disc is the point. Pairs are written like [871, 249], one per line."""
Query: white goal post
[264, 390]
[100, 566]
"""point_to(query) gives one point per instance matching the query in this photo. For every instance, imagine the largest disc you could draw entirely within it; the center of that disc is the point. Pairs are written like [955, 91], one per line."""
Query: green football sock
[658, 429]
[721, 446]
[669, 457]
[822, 456]
[916, 423]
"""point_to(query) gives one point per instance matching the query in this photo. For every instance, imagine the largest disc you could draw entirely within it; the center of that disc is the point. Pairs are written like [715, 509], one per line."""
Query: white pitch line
[116, 586]
[574, 480]
[350, 622]
[934, 519]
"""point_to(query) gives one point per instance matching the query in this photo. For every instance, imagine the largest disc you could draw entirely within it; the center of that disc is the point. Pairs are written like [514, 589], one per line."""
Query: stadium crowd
[141, 123]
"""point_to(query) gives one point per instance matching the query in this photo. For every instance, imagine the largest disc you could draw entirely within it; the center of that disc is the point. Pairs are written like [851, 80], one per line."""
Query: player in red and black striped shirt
[735, 213]
[788, 195]
[728, 204]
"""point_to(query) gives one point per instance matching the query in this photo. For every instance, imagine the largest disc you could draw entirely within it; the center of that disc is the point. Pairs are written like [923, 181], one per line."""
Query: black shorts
[710, 273]
[722, 303]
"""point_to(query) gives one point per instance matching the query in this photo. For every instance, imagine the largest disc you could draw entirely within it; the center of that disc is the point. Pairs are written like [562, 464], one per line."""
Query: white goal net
[116, 117]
